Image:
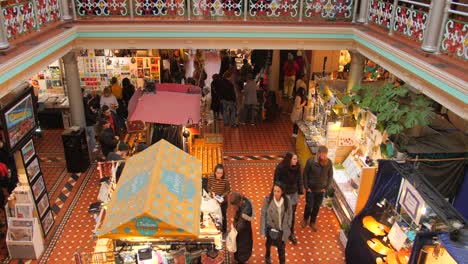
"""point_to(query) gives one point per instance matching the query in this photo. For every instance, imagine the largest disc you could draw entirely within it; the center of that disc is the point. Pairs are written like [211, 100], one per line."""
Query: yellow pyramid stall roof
[158, 196]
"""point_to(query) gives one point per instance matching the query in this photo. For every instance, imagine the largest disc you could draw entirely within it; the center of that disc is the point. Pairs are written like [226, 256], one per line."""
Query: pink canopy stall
[180, 88]
[167, 108]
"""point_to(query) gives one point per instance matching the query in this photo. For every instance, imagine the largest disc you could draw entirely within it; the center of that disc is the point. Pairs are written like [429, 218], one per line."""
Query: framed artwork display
[20, 233]
[33, 169]
[38, 187]
[47, 222]
[43, 204]
[20, 222]
[28, 151]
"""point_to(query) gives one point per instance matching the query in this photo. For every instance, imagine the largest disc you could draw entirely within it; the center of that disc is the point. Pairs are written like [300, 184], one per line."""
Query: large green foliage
[397, 108]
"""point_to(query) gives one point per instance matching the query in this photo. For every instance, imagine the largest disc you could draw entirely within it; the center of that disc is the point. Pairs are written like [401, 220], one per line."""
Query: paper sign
[397, 237]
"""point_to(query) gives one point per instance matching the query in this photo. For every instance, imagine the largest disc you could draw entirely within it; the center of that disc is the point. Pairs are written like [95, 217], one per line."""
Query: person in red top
[290, 68]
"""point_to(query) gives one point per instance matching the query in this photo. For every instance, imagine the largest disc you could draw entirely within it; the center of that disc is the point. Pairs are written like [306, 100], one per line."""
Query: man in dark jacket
[288, 173]
[119, 155]
[318, 175]
[91, 114]
[228, 97]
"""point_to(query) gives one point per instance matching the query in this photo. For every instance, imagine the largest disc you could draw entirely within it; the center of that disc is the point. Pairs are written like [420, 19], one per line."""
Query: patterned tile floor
[251, 154]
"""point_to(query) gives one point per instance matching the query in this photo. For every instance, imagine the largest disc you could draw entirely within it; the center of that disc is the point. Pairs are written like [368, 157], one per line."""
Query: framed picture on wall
[28, 151]
[38, 187]
[43, 204]
[47, 222]
[33, 169]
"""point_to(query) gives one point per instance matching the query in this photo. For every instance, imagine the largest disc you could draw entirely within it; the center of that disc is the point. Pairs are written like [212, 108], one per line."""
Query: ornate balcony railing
[48, 11]
[217, 8]
[20, 18]
[329, 9]
[159, 8]
[380, 13]
[455, 38]
[102, 8]
[410, 22]
[274, 8]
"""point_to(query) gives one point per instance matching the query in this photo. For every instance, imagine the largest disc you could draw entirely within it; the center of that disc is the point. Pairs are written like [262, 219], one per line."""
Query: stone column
[363, 10]
[437, 16]
[3, 33]
[356, 70]
[273, 75]
[65, 11]
[75, 97]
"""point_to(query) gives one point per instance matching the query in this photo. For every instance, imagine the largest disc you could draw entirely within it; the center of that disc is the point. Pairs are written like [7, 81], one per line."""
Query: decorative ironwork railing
[410, 22]
[274, 8]
[380, 13]
[20, 18]
[218, 8]
[103, 8]
[455, 38]
[48, 11]
[329, 9]
[159, 7]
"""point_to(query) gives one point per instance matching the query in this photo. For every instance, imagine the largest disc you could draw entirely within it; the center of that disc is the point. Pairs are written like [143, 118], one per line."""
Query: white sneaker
[294, 135]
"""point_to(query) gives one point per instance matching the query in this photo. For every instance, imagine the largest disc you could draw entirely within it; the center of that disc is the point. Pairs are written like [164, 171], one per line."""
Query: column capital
[70, 58]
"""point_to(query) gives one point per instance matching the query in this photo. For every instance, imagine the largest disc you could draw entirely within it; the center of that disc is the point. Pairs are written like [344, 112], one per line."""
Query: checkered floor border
[253, 157]
[65, 193]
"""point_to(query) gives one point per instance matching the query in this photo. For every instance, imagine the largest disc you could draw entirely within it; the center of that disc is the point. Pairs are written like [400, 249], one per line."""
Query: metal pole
[189, 10]
[442, 28]
[354, 11]
[392, 20]
[434, 25]
[3, 31]
[301, 10]
[132, 17]
[65, 11]
[246, 3]
[363, 12]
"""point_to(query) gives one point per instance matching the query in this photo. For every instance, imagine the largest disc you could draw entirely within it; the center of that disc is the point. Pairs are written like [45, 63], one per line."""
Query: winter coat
[243, 225]
[107, 141]
[90, 115]
[269, 218]
[317, 177]
[250, 93]
[228, 92]
[291, 185]
[127, 93]
[296, 113]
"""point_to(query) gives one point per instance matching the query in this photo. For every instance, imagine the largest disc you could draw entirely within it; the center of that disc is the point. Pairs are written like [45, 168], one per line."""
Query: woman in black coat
[242, 223]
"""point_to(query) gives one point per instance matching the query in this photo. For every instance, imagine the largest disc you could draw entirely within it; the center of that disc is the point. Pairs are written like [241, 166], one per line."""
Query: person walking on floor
[228, 97]
[91, 115]
[276, 222]
[216, 104]
[288, 173]
[243, 224]
[289, 69]
[299, 102]
[250, 100]
[318, 175]
[219, 185]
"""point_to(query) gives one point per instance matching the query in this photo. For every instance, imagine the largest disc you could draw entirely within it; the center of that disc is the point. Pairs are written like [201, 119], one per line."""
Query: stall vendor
[219, 187]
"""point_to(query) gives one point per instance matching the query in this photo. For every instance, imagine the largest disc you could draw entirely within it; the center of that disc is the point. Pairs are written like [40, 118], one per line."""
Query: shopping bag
[231, 240]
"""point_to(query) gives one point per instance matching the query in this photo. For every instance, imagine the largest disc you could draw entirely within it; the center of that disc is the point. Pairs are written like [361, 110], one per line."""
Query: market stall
[403, 220]
[157, 206]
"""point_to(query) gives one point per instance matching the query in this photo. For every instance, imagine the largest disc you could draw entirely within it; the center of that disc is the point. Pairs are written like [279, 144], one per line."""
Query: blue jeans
[249, 113]
[229, 112]
[91, 138]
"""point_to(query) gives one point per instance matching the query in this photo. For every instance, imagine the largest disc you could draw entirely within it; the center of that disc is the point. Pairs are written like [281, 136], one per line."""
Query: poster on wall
[20, 120]
[28, 151]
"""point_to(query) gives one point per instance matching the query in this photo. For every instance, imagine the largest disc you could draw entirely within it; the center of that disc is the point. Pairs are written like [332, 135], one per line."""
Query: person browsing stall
[243, 224]
[318, 175]
[218, 185]
[276, 222]
[107, 139]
